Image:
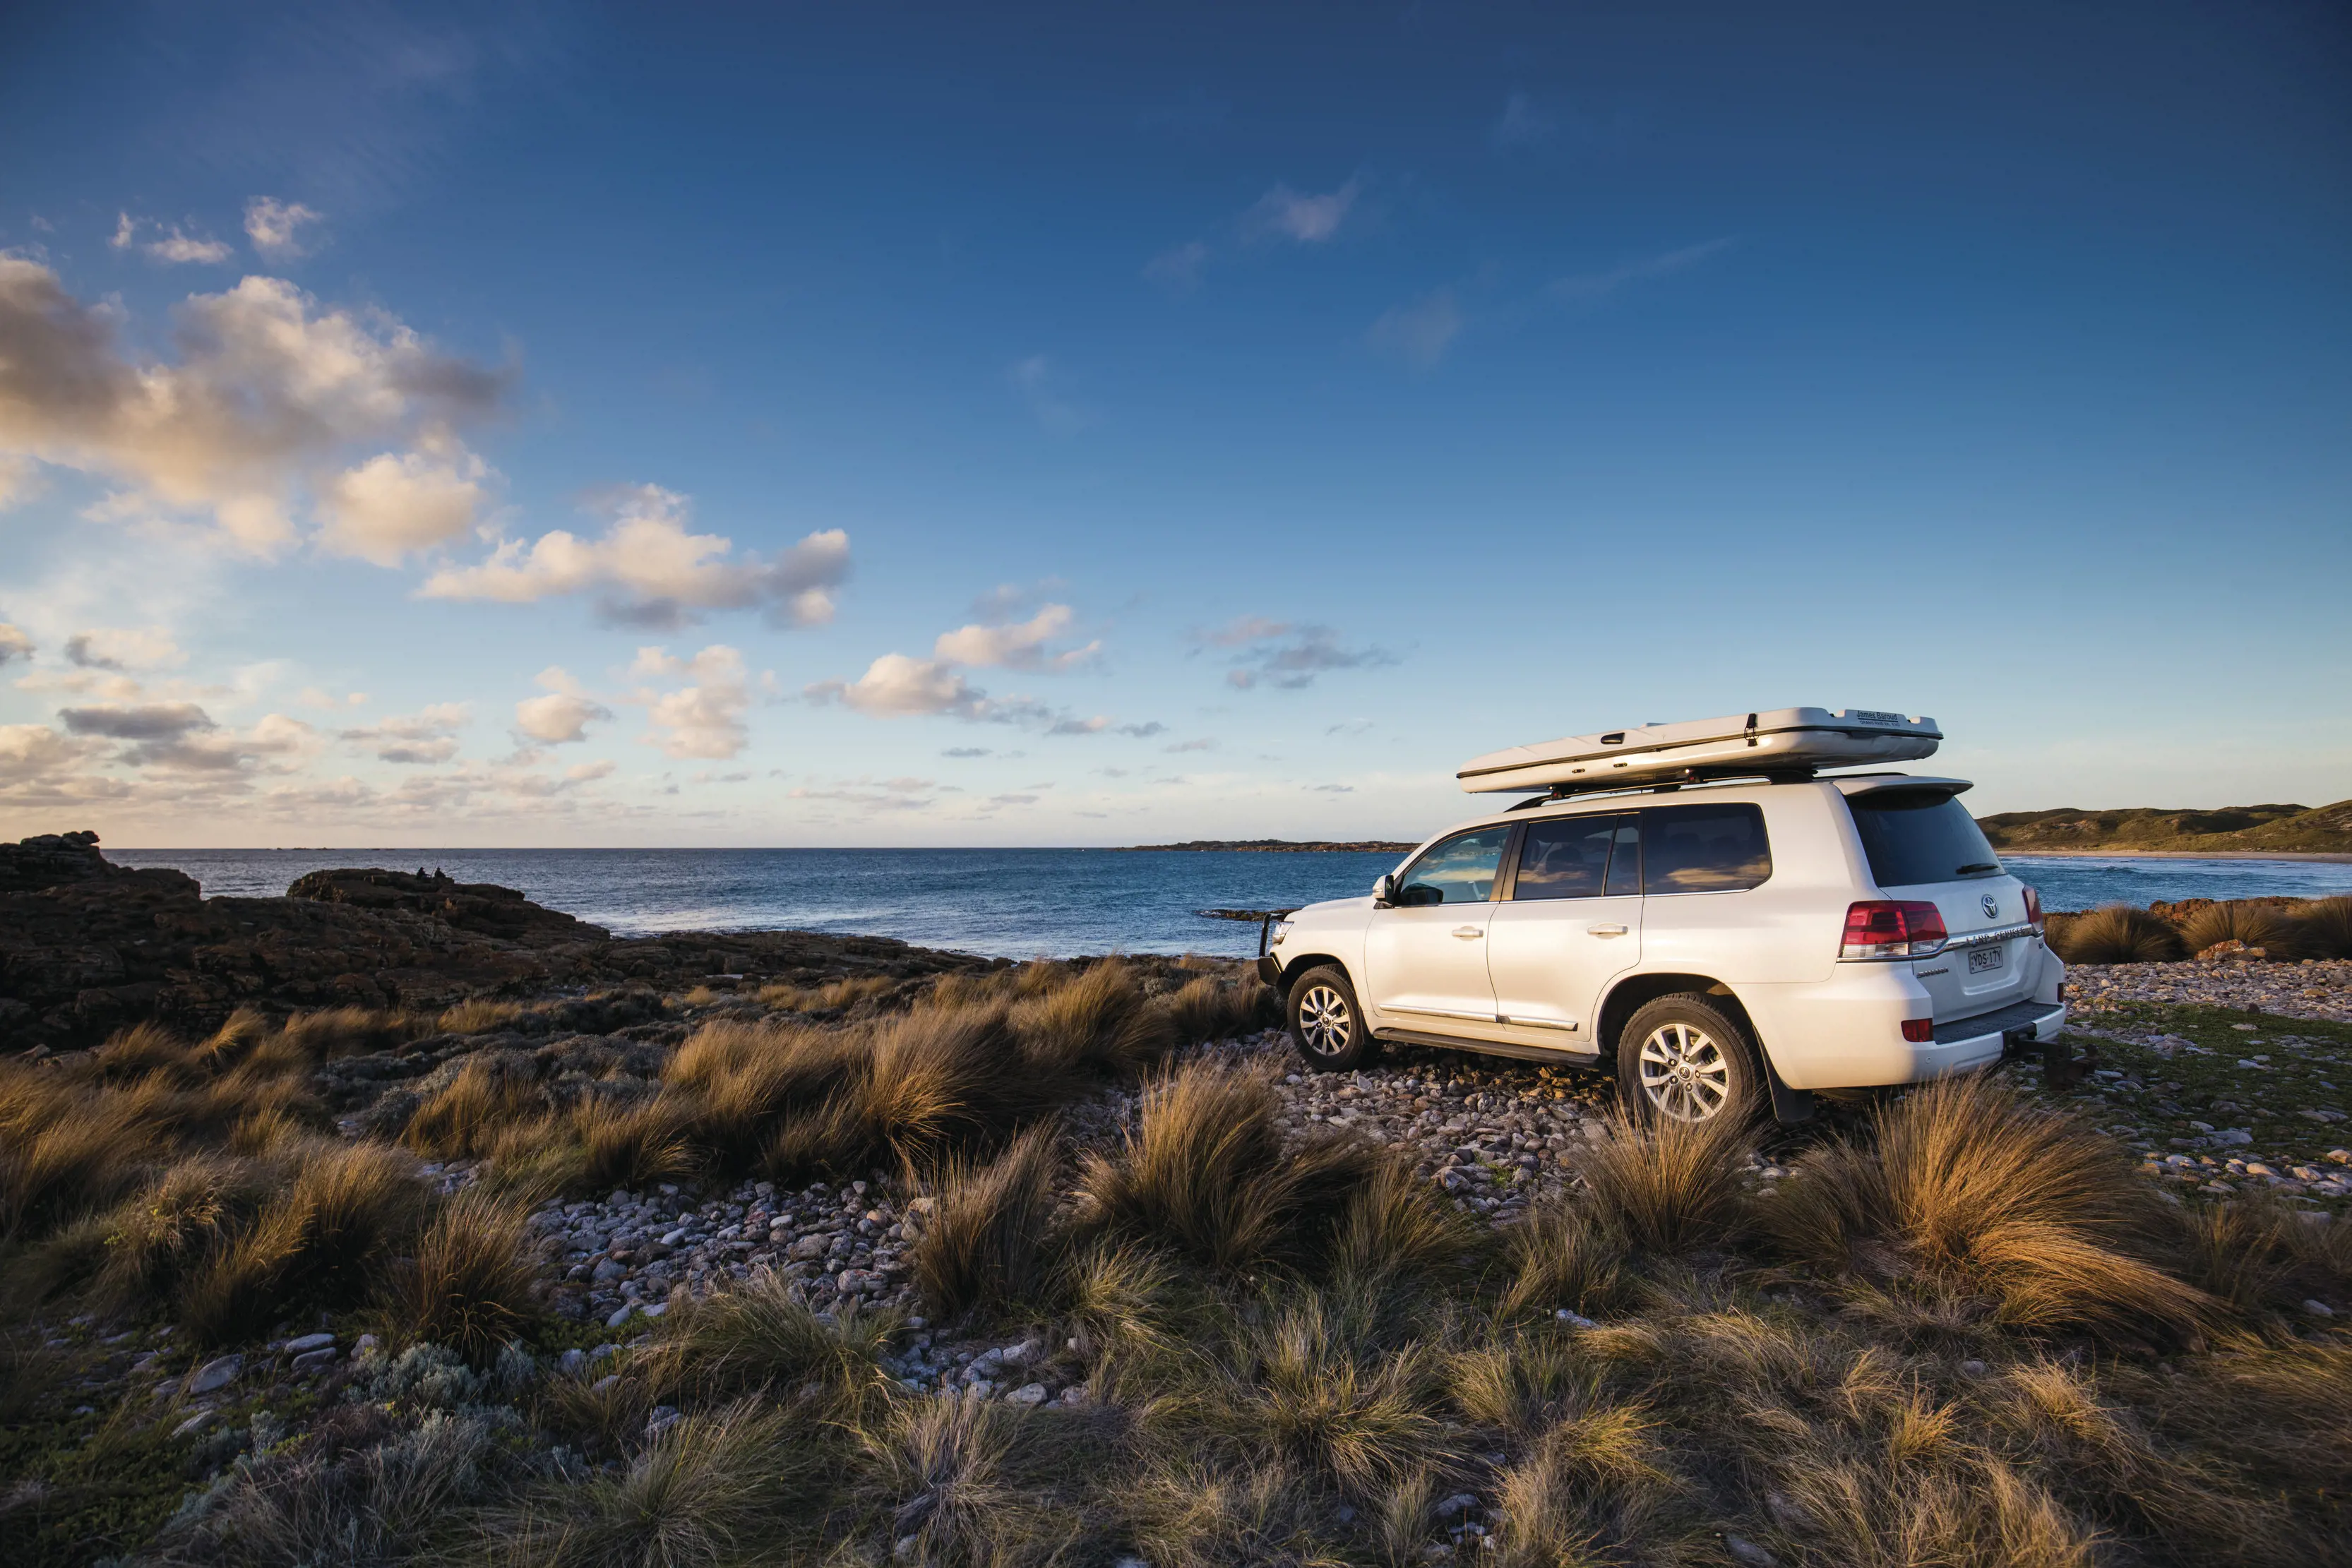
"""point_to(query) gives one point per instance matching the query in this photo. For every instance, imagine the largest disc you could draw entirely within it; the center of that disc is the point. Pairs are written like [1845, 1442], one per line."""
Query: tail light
[1893, 928]
[1919, 1032]
[2033, 909]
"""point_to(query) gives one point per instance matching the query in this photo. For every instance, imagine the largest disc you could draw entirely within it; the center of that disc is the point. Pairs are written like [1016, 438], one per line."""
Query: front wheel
[1326, 1024]
[1681, 1059]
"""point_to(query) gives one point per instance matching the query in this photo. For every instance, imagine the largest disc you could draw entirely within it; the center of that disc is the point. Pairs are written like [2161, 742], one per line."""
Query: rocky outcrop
[482, 908]
[88, 948]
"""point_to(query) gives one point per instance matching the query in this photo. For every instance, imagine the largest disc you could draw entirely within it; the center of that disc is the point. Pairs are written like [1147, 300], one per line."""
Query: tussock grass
[2323, 928]
[2114, 934]
[1667, 1186]
[709, 1491]
[760, 1339]
[834, 995]
[2255, 925]
[473, 1284]
[492, 1091]
[984, 1246]
[1964, 1181]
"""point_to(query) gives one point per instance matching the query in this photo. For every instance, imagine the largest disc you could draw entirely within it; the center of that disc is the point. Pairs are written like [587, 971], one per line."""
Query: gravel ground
[2313, 989]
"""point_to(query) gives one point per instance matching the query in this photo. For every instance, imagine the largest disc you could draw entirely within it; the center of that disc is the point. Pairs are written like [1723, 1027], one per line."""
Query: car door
[1572, 922]
[1425, 953]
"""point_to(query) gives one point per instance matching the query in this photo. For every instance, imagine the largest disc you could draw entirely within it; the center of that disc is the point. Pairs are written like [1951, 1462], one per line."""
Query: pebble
[311, 1361]
[216, 1375]
[307, 1342]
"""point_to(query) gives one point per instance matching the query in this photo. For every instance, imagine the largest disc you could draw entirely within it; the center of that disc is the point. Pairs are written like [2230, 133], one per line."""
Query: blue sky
[897, 424]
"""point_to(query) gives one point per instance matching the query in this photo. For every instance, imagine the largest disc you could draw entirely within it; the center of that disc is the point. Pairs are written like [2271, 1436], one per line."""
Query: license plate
[1983, 960]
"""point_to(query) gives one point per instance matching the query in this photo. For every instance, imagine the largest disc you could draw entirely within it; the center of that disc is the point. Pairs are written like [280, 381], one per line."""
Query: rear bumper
[1847, 1032]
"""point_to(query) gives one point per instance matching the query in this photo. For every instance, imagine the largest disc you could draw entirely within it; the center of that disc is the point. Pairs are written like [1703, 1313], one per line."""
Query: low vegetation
[2261, 927]
[1962, 1328]
[2274, 827]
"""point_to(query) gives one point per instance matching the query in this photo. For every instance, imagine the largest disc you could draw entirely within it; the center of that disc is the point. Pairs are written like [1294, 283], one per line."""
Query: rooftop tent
[1764, 741]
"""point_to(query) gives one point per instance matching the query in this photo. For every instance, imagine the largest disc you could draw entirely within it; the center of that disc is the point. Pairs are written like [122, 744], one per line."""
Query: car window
[1913, 836]
[1565, 858]
[1625, 858]
[1459, 870]
[1704, 849]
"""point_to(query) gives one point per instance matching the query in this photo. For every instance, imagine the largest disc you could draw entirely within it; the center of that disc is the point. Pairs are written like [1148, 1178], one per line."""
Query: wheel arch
[1294, 968]
[1634, 992]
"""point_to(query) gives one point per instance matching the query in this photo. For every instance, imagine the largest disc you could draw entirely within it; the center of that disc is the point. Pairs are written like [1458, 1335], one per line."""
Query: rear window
[1917, 836]
[1704, 849]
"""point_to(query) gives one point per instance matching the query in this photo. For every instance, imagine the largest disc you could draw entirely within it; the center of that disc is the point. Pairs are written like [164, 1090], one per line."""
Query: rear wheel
[1682, 1059]
[1326, 1023]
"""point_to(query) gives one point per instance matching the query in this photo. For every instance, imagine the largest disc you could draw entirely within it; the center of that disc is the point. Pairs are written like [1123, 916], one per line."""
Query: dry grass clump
[2114, 934]
[1966, 1182]
[712, 1490]
[1670, 1186]
[1093, 1022]
[2323, 928]
[1208, 1174]
[492, 1091]
[479, 1014]
[759, 1338]
[834, 995]
[2255, 925]
[473, 1283]
[984, 1246]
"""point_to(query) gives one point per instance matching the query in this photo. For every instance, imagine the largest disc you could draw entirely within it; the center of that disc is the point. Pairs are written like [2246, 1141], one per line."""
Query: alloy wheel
[1325, 1023]
[1684, 1074]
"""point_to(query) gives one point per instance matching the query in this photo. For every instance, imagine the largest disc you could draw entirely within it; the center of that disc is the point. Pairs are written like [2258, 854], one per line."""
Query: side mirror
[1384, 891]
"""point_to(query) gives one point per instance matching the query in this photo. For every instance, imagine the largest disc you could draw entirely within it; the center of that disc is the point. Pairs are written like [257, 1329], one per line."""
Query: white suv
[1724, 946]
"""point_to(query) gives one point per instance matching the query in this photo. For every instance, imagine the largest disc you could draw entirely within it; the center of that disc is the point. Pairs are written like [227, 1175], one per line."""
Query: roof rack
[1663, 786]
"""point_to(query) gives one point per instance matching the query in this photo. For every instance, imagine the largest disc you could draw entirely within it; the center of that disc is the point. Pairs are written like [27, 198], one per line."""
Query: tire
[1326, 1024]
[1681, 1058]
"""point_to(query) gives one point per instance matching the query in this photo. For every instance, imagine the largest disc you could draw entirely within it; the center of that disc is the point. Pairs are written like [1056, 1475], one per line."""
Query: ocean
[1025, 904]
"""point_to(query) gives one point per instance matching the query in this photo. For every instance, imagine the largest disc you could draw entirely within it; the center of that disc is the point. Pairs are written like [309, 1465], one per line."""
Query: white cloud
[563, 714]
[1015, 647]
[1298, 216]
[182, 738]
[176, 247]
[703, 719]
[274, 226]
[1419, 334]
[898, 687]
[653, 572]
[14, 644]
[1288, 656]
[124, 648]
[587, 772]
[427, 737]
[395, 503]
[35, 751]
[267, 386]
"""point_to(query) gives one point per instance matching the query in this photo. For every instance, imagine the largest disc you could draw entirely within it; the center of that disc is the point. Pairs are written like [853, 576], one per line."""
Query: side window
[1566, 857]
[1460, 870]
[1625, 858]
[1705, 849]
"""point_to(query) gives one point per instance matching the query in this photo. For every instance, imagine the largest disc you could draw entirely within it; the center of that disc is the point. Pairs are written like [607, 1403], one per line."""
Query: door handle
[1606, 930]
[1468, 932]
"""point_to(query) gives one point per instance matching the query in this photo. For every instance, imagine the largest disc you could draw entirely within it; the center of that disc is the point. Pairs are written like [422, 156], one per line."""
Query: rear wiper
[1976, 866]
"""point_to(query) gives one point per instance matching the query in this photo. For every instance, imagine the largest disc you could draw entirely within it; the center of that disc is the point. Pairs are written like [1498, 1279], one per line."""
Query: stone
[2318, 1309]
[1745, 1550]
[620, 1316]
[1575, 1320]
[216, 1375]
[308, 1342]
[315, 1360]
[1029, 1393]
[571, 1361]
[195, 1423]
[661, 1419]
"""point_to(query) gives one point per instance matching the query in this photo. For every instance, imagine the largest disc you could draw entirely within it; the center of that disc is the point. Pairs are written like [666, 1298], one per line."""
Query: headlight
[1280, 929]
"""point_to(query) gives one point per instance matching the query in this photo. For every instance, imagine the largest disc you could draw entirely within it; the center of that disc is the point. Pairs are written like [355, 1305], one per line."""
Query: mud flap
[1788, 1105]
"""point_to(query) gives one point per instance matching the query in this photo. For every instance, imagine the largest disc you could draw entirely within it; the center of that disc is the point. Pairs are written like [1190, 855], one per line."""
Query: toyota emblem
[1991, 907]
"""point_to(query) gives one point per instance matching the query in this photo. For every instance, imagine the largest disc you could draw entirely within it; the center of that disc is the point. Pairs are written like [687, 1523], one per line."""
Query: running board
[1489, 1047]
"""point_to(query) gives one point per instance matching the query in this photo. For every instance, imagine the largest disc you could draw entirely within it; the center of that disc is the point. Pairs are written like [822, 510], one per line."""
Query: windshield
[1918, 835]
